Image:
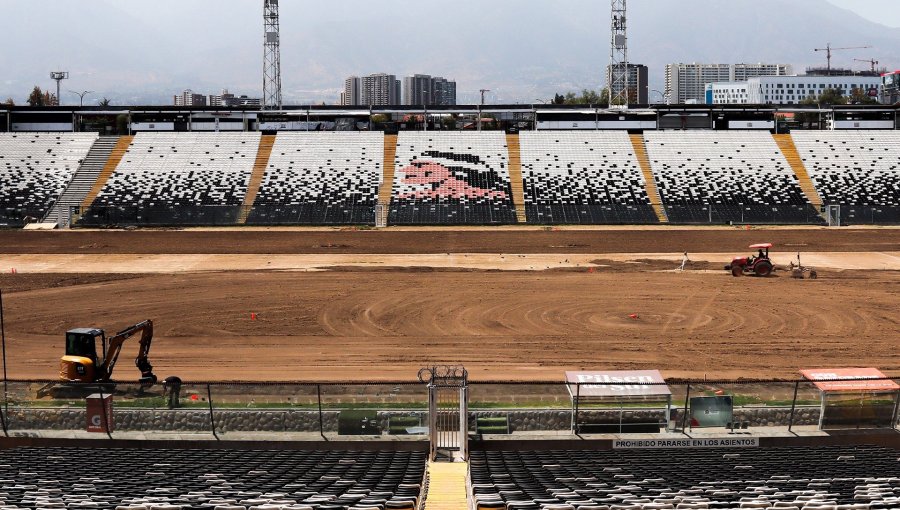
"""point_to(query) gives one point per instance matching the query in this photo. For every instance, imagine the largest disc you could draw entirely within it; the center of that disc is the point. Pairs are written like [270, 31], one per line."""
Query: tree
[104, 102]
[50, 99]
[36, 98]
[591, 97]
[9, 102]
[832, 96]
[861, 96]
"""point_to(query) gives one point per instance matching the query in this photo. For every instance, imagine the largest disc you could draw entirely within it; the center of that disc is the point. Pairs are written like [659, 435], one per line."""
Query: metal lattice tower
[618, 57]
[272, 57]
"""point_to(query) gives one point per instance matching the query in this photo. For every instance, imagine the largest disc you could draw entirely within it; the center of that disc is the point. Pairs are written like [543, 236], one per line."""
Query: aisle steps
[789, 149]
[266, 143]
[517, 185]
[640, 152]
[83, 180]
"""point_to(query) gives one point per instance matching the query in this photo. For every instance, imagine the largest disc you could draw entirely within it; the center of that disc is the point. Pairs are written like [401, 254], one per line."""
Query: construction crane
[872, 62]
[828, 49]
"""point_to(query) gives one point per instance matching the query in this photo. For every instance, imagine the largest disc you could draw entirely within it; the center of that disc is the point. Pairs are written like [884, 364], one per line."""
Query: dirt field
[353, 324]
[502, 240]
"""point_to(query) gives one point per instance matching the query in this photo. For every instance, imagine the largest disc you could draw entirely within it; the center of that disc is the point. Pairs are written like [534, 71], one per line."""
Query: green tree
[559, 99]
[591, 97]
[36, 98]
[104, 102]
[380, 118]
[9, 102]
[832, 96]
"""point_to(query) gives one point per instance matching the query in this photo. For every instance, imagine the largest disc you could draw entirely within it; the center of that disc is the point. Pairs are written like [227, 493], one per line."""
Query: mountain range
[523, 50]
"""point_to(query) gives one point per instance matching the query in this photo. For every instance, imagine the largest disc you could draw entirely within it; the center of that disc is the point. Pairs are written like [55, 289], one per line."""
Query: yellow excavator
[82, 364]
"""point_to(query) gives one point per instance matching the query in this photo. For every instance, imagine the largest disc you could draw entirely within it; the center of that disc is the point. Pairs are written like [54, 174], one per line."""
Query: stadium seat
[726, 176]
[583, 178]
[178, 179]
[857, 170]
[781, 478]
[35, 169]
[452, 178]
[321, 178]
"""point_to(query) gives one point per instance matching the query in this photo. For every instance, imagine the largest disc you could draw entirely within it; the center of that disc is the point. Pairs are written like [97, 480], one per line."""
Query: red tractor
[759, 265]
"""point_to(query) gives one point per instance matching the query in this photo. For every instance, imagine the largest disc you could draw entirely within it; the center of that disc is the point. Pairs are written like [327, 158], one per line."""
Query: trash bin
[99, 413]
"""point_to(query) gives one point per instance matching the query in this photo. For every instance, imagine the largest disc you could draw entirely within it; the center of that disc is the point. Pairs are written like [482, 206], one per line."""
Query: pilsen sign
[850, 380]
[617, 383]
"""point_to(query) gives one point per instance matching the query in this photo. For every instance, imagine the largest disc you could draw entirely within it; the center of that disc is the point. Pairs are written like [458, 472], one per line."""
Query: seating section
[140, 479]
[583, 178]
[781, 478]
[178, 179]
[452, 178]
[733, 176]
[858, 170]
[35, 169]
[320, 179]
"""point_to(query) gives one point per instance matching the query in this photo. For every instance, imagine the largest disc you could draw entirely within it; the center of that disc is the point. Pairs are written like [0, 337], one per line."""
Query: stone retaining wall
[190, 420]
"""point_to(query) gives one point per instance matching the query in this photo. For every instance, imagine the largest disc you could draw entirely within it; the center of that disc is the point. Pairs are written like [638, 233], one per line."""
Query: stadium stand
[785, 478]
[110, 478]
[738, 176]
[83, 181]
[178, 179]
[858, 170]
[35, 169]
[321, 179]
[452, 178]
[583, 178]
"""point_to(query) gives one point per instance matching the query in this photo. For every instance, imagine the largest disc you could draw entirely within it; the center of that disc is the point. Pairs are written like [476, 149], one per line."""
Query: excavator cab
[81, 363]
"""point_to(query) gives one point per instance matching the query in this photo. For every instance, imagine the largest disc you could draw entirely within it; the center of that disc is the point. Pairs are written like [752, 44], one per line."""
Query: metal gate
[448, 417]
[833, 215]
[381, 216]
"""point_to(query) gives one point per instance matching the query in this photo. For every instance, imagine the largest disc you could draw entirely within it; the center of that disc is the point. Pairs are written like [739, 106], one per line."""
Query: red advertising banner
[850, 379]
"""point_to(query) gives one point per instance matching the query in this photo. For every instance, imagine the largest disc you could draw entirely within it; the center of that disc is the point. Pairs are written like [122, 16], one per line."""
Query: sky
[144, 51]
[885, 12]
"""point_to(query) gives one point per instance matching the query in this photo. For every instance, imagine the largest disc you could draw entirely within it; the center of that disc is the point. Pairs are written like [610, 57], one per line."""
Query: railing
[399, 410]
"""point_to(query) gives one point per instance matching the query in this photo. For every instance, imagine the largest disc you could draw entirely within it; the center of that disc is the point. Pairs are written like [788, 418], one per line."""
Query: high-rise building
[638, 84]
[423, 89]
[228, 100]
[188, 98]
[373, 90]
[686, 83]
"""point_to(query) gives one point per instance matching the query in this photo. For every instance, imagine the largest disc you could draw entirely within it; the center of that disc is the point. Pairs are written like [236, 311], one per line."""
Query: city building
[638, 84]
[374, 90]
[786, 90]
[686, 83]
[423, 89]
[188, 98]
[890, 88]
[228, 100]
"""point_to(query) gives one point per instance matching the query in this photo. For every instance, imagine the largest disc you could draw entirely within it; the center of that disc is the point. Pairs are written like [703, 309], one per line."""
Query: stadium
[520, 307]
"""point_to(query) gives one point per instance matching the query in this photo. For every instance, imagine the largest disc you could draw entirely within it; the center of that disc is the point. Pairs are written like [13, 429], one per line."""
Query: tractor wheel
[813, 275]
[737, 271]
[763, 268]
[797, 274]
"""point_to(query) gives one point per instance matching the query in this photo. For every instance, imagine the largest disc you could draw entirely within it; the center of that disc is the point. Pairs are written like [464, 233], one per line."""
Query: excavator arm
[115, 348]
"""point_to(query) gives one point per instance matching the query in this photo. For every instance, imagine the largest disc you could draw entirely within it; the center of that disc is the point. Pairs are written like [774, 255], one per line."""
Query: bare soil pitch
[385, 325]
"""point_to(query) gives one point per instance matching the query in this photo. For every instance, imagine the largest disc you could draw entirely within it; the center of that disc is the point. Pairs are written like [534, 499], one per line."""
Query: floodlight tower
[271, 57]
[618, 57]
[58, 77]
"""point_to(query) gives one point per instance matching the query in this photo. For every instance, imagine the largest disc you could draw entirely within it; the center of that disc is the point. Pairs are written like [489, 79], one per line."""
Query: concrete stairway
[640, 151]
[82, 181]
[517, 185]
[388, 168]
[266, 142]
[118, 152]
[786, 145]
[447, 486]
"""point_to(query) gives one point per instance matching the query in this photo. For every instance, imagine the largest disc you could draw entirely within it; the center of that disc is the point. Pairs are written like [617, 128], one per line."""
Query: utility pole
[271, 57]
[58, 77]
[480, 106]
[81, 96]
[618, 57]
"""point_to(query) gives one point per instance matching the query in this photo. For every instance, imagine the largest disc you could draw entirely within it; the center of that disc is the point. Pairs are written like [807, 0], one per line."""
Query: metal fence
[399, 410]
